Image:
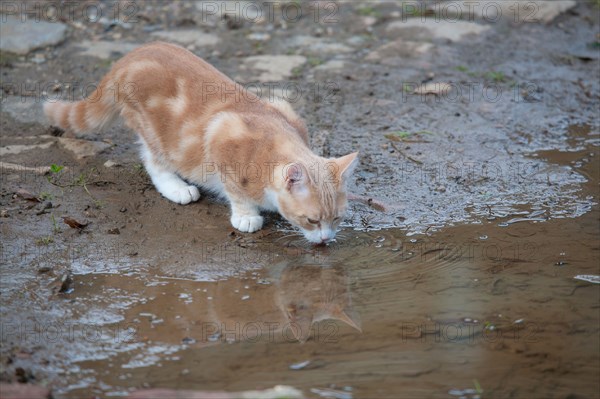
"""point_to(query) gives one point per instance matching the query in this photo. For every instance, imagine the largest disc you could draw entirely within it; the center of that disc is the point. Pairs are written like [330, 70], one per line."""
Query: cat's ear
[296, 178]
[352, 320]
[346, 165]
[300, 323]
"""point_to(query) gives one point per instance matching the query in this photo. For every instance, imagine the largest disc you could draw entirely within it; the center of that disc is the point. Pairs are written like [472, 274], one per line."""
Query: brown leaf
[74, 223]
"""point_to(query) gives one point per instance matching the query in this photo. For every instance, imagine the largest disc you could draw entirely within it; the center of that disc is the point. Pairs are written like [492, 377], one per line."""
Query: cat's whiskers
[288, 236]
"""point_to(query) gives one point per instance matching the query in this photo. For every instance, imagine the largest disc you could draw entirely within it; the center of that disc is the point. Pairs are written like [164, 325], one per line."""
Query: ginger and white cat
[197, 127]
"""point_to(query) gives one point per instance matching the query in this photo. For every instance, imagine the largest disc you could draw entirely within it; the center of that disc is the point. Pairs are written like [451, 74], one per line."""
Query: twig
[405, 155]
[373, 203]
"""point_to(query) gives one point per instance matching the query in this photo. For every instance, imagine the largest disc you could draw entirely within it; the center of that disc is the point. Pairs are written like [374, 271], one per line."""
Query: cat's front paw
[184, 195]
[246, 223]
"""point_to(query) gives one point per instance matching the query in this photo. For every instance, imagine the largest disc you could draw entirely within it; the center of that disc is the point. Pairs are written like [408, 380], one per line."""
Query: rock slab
[274, 67]
[21, 37]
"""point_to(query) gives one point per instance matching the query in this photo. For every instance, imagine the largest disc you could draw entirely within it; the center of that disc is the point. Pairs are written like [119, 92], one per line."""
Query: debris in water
[214, 337]
[560, 263]
[590, 278]
[331, 393]
[462, 392]
[517, 220]
[63, 284]
[279, 391]
[299, 366]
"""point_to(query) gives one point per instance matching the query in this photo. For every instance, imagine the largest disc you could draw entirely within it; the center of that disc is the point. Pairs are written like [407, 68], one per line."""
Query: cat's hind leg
[167, 182]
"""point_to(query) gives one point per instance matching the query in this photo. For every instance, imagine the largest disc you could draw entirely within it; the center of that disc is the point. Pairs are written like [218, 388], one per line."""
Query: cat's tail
[98, 110]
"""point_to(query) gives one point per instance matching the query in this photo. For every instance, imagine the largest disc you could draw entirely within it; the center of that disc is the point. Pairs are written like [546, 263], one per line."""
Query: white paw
[247, 224]
[183, 195]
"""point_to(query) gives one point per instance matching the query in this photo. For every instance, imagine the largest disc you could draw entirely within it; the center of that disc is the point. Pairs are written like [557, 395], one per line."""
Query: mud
[463, 286]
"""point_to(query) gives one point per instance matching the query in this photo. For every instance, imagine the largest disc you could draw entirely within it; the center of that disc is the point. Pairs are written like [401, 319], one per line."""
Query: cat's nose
[326, 237]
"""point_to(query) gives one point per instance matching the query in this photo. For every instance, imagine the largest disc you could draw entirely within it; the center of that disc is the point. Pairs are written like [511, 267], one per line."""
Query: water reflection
[288, 305]
[294, 300]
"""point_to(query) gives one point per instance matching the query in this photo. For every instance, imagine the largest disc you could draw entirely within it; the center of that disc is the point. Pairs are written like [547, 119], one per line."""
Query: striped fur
[200, 128]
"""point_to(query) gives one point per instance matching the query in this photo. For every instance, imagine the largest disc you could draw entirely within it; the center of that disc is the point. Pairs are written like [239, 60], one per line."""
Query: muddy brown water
[491, 306]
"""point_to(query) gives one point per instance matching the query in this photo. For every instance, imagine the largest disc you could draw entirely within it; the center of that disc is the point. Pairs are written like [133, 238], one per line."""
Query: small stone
[114, 231]
[122, 210]
[316, 45]
[399, 48]
[105, 49]
[188, 36]
[333, 65]
[369, 21]
[83, 148]
[432, 29]
[259, 36]
[38, 59]
[274, 67]
[24, 109]
[110, 164]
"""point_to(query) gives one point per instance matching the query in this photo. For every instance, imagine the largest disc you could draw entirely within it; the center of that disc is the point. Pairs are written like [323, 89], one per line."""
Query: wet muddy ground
[463, 284]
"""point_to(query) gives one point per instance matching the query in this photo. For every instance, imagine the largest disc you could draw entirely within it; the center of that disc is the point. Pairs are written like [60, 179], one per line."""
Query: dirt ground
[463, 282]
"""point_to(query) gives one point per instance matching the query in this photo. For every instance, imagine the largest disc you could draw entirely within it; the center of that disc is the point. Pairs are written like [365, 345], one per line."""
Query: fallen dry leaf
[74, 223]
[26, 195]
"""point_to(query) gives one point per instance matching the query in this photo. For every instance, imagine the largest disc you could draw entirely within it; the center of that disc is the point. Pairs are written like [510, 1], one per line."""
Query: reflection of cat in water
[309, 294]
[286, 310]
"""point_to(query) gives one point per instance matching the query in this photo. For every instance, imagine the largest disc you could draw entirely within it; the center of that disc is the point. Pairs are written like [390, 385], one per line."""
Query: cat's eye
[337, 219]
[312, 221]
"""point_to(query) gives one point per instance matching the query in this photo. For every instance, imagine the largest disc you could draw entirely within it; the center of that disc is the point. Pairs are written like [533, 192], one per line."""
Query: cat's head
[308, 294]
[313, 195]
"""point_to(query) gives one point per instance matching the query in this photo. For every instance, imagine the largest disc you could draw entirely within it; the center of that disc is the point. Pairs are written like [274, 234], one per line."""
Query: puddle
[376, 312]
[426, 315]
